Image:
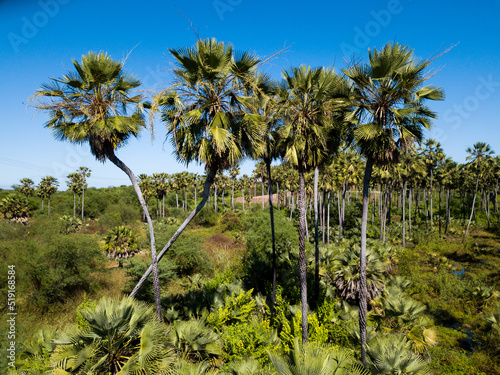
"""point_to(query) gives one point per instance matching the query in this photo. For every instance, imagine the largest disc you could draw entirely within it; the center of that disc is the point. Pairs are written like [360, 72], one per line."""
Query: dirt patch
[224, 251]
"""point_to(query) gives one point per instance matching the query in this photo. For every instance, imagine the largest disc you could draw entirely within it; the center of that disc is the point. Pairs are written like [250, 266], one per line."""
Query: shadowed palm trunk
[302, 253]
[271, 214]
[206, 193]
[316, 236]
[154, 260]
[362, 262]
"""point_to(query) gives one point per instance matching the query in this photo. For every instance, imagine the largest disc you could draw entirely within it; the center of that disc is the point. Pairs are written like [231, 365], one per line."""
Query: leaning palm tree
[91, 105]
[389, 97]
[304, 98]
[478, 153]
[202, 115]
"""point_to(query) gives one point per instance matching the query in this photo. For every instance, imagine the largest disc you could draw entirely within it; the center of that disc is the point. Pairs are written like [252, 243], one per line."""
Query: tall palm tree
[304, 141]
[84, 172]
[433, 156]
[75, 184]
[91, 105]
[202, 115]
[389, 96]
[479, 152]
[48, 186]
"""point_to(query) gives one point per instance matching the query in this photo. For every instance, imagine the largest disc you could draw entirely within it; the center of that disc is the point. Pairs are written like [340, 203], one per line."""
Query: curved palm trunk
[271, 214]
[472, 209]
[206, 193]
[302, 253]
[362, 261]
[154, 260]
[316, 236]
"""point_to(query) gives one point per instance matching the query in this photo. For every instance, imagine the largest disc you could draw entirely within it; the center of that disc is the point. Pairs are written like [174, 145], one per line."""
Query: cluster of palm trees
[220, 108]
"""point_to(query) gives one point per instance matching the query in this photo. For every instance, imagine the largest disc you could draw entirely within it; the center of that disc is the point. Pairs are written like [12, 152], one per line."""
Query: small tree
[15, 208]
[120, 243]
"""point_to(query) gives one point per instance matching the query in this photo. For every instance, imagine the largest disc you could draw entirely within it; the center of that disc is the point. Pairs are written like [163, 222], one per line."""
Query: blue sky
[38, 40]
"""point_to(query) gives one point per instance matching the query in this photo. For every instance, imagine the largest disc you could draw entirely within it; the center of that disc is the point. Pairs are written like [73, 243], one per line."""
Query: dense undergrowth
[434, 305]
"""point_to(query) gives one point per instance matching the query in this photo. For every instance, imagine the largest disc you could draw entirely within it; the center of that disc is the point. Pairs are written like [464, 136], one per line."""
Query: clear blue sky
[38, 39]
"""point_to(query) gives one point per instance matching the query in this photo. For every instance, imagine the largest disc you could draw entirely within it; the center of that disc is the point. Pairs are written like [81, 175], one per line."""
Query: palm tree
[47, 187]
[121, 337]
[84, 172]
[389, 100]
[313, 358]
[27, 187]
[479, 152]
[120, 243]
[202, 116]
[433, 156]
[304, 141]
[75, 184]
[91, 105]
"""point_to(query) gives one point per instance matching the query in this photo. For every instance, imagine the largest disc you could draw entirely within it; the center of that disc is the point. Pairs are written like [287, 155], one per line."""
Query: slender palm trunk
[83, 197]
[316, 236]
[403, 195]
[74, 204]
[447, 211]
[439, 210]
[472, 209]
[362, 262]
[271, 214]
[206, 193]
[342, 212]
[154, 261]
[302, 253]
[328, 221]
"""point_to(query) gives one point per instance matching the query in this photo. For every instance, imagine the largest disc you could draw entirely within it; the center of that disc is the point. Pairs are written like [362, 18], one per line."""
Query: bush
[136, 268]
[118, 214]
[59, 268]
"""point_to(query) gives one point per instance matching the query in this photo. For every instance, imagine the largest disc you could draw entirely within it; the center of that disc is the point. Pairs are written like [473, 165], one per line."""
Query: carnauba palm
[91, 105]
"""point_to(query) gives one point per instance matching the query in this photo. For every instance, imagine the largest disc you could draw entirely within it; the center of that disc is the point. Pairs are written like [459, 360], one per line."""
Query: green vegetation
[402, 264]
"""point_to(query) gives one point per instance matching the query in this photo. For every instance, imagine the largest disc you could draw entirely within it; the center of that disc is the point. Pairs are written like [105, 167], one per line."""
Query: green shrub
[119, 214]
[59, 268]
[136, 268]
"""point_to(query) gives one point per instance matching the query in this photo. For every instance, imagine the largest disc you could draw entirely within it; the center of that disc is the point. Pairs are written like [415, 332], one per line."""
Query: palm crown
[201, 110]
[91, 103]
[389, 99]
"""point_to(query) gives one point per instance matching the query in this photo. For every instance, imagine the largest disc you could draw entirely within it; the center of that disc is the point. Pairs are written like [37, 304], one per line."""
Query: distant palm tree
[389, 98]
[202, 115]
[479, 152]
[27, 187]
[84, 172]
[75, 184]
[47, 187]
[91, 105]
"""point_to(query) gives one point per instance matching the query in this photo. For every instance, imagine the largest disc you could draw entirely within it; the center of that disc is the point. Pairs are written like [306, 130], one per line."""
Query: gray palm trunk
[342, 212]
[362, 262]
[328, 221]
[206, 193]
[302, 253]
[83, 196]
[154, 260]
[403, 193]
[74, 204]
[316, 236]
[472, 209]
[271, 214]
